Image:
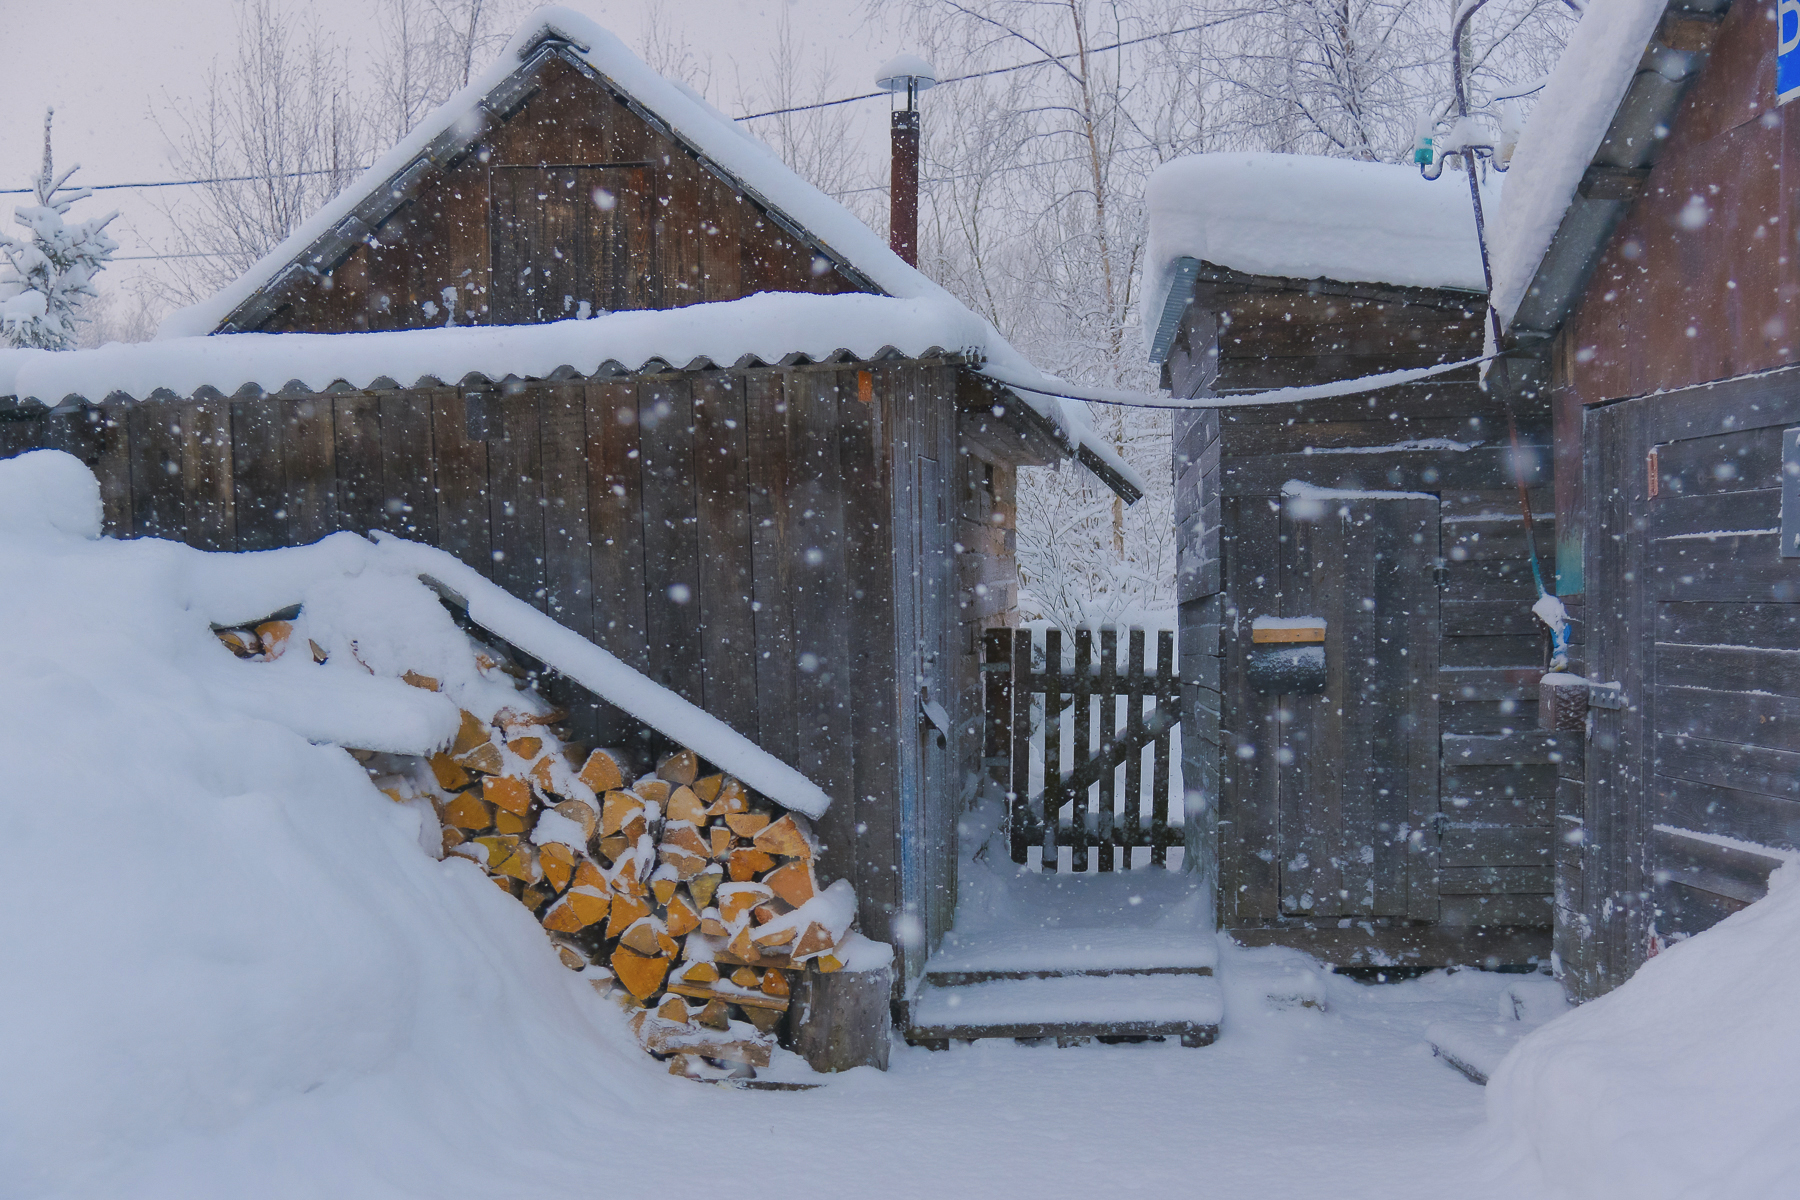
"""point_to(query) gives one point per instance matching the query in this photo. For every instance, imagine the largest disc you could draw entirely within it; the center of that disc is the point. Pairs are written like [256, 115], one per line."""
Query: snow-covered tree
[49, 273]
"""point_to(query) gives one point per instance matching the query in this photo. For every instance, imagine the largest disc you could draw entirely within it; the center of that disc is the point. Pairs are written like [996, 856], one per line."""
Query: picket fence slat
[1081, 764]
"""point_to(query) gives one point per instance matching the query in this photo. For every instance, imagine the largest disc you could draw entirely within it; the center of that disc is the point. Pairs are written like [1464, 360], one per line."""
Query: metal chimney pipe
[903, 186]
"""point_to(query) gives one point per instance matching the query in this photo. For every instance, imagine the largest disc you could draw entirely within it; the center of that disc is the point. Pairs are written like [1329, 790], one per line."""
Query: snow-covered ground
[231, 968]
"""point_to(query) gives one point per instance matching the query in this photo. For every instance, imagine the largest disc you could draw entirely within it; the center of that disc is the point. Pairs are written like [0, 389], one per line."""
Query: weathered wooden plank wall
[778, 545]
[1467, 874]
[1692, 610]
[574, 200]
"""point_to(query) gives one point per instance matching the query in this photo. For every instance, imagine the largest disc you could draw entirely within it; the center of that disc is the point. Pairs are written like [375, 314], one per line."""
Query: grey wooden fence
[1086, 719]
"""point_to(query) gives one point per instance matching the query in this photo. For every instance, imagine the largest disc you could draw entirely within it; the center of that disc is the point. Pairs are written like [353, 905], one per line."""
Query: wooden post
[1053, 707]
[842, 1020]
[1134, 733]
[1159, 782]
[1109, 724]
[1021, 746]
[1084, 733]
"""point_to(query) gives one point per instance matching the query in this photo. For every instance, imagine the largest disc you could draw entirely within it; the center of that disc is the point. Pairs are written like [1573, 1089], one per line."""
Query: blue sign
[1787, 51]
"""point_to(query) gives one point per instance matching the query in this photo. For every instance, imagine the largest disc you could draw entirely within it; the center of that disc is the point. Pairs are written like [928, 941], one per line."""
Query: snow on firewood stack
[682, 893]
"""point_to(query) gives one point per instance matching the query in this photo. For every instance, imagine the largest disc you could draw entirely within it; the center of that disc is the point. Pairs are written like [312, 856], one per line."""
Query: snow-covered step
[1182, 1004]
[1051, 952]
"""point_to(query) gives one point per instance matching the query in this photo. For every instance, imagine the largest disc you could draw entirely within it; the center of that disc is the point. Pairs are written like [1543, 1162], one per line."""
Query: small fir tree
[46, 276]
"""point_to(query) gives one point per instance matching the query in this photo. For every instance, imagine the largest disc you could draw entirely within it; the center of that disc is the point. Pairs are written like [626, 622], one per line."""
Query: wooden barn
[1645, 271]
[1359, 658]
[585, 334]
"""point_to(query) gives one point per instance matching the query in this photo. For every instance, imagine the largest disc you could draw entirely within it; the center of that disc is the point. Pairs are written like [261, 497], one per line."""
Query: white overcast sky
[103, 63]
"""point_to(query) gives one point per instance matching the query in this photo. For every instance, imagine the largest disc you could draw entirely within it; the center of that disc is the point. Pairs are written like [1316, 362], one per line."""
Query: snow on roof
[1304, 217]
[720, 140]
[1569, 123]
[769, 327]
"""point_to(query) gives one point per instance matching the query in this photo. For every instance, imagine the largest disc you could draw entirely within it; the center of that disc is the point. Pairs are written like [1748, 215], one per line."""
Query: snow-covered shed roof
[629, 339]
[1297, 216]
[765, 329]
[1592, 135]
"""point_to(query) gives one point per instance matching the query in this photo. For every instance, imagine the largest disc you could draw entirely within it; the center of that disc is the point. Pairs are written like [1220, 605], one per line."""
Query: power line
[108, 187]
[774, 112]
[1036, 62]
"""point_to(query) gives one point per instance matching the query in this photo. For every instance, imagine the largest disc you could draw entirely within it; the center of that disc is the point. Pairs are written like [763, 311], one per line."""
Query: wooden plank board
[409, 506]
[568, 569]
[772, 554]
[671, 539]
[1767, 626]
[1248, 815]
[356, 456]
[258, 475]
[615, 528]
[309, 465]
[1745, 717]
[155, 468]
[464, 517]
[1491, 846]
[1707, 807]
[515, 497]
[727, 583]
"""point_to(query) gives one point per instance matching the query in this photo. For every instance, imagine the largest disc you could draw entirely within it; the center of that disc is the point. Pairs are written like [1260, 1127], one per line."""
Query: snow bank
[1304, 217]
[225, 952]
[1679, 1083]
[1567, 126]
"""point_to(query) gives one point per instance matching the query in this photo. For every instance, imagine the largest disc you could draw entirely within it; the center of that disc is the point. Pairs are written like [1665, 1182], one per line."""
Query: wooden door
[567, 242]
[1347, 777]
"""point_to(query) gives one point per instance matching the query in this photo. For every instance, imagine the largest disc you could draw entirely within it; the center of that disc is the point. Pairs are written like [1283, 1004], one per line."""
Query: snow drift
[1680, 1083]
[226, 953]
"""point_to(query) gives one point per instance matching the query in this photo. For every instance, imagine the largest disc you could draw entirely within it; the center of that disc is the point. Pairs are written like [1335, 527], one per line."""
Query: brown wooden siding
[812, 516]
[1461, 866]
[573, 196]
[1675, 301]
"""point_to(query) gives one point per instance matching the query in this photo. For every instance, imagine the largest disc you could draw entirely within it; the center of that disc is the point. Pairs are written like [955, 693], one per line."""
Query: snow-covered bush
[49, 273]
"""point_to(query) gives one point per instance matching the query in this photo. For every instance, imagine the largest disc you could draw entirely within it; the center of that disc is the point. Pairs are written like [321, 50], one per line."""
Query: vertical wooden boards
[822, 615]
[309, 467]
[259, 473]
[615, 525]
[515, 497]
[1131, 820]
[1109, 725]
[1412, 543]
[772, 480]
[356, 432]
[671, 537]
[722, 544]
[156, 501]
[568, 573]
[465, 526]
[873, 682]
[1248, 818]
[1159, 767]
[1053, 756]
[1314, 554]
[409, 506]
[1083, 738]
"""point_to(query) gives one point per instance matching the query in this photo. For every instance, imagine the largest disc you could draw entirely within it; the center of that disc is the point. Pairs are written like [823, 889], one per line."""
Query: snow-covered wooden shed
[1359, 659]
[1644, 268]
[584, 333]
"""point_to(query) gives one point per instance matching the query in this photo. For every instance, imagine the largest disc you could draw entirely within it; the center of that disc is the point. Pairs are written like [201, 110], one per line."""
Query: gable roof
[1596, 131]
[1303, 217]
[719, 143]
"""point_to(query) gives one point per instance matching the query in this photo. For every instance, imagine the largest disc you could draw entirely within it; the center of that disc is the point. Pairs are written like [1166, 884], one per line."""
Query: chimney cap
[903, 70]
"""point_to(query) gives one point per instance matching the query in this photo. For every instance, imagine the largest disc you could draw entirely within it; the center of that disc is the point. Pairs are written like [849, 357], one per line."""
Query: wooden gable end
[574, 203]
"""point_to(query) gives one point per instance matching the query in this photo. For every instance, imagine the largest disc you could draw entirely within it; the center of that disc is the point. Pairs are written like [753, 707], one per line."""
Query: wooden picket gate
[1030, 692]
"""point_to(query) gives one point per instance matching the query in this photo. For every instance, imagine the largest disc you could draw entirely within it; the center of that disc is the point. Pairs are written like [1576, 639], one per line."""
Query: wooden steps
[1069, 984]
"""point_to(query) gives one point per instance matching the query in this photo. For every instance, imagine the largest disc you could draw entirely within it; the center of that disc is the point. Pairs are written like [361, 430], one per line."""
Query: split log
[505, 792]
[527, 747]
[793, 882]
[787, 837]
[468, 811]
[684, 805]
[484, 758]
[732, 798]
[470, 734]
[508, 822]
[705, 885]
[746, 825]
[617, 809]
[746, 864]
[582, 813]
[681, 916]
[558, 864]
[642, 976]
[603, 772]
[707, 787]
[579, 908]
[449, 775]
[423, 682]
[653, 790]
[736, 899]
[274, 637]
[681, 767]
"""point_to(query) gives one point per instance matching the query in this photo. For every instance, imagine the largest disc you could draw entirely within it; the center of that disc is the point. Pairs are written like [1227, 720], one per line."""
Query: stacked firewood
[682, 893]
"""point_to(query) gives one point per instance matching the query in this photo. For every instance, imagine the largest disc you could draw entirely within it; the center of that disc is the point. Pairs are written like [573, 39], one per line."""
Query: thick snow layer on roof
[767, 327]
[1303, 217]
[1567, 126]
[1680, 1082]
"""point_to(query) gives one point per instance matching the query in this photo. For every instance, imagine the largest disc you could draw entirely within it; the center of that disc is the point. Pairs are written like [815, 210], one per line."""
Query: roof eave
[1617, 173]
